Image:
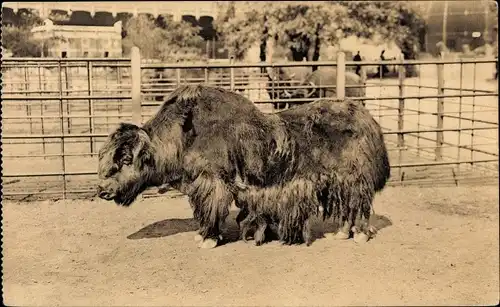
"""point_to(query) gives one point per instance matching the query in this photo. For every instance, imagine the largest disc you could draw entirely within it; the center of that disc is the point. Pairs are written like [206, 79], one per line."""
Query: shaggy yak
[315, 81]
[327, 76]
[216, 146]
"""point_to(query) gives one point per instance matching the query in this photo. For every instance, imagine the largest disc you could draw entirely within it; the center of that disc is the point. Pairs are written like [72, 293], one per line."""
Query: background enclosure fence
[440, 127]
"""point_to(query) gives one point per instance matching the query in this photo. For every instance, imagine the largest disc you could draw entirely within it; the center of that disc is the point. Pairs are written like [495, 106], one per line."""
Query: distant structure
[107, 13]
[81, 41]
[458, 23]
[177, 9]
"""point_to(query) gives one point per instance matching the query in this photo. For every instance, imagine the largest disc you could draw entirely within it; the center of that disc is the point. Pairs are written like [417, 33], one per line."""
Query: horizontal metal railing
[66, 119]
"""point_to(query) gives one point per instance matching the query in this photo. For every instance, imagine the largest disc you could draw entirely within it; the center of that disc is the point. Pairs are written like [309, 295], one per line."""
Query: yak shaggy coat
[327, 77]
[203, 140]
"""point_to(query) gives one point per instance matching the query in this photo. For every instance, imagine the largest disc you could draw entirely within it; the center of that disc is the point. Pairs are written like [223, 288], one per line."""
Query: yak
[316, 84]
[276, 81]
[327, 77]
[215, 146]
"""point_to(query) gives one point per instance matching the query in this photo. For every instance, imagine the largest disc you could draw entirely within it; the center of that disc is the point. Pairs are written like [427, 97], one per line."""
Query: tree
[240, 31]
[393, 21]
[303, 28]
[18, 37]
[163, 38]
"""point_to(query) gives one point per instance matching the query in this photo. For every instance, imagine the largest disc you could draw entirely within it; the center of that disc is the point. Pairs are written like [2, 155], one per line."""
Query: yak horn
[287, 94]
[312, 90]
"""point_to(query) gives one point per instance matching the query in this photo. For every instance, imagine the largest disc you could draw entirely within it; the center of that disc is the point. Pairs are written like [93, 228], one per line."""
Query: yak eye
[114, 168]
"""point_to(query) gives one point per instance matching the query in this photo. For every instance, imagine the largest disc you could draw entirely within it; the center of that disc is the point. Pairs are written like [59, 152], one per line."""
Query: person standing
[357, 58]
[382, 69]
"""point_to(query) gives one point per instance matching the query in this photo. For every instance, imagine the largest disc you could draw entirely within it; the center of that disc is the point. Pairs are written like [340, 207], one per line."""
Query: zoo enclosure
[57, 113]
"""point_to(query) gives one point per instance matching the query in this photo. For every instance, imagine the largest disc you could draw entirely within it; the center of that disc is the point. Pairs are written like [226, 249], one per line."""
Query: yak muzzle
[105, 194]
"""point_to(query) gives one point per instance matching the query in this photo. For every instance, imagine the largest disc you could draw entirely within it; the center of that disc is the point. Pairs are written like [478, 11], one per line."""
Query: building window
[64, 54]
[85, 42]
[106, 54]
[85, 54]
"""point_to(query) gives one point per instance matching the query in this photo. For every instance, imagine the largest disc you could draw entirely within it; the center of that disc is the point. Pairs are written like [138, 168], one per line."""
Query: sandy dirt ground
[436, 246]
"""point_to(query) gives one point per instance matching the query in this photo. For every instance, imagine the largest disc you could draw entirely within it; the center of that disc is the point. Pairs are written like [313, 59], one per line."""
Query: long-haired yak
[316, 84]
[327, 157]
[322, 83]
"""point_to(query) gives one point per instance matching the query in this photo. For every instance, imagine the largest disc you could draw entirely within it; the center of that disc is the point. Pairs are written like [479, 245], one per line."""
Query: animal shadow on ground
[320, 228]
[170, 227]
[231, 232]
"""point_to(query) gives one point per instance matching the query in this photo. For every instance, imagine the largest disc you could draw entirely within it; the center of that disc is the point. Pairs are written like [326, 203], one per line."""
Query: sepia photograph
[250, 153]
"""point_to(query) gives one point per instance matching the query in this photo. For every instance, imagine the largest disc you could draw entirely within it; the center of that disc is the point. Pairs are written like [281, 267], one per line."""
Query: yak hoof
[341, 236]
[361, 237]
[208, 243]
[198, 238]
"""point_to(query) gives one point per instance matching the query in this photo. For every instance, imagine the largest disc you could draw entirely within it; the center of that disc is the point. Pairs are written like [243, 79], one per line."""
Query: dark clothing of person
[385, 70]
[357, 58]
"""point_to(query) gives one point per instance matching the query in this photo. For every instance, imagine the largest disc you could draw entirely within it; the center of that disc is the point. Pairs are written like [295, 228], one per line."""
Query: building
[458, 23]
[80, 41]
[177, 9]
[99, 17]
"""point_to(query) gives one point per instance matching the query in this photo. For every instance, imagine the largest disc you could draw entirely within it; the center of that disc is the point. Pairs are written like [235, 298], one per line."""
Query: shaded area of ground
[442, 248]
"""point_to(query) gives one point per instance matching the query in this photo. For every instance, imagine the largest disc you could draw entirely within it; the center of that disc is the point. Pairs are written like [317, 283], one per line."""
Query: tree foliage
[18, 37]
[21, 42]
[303, 27]
[163, 38]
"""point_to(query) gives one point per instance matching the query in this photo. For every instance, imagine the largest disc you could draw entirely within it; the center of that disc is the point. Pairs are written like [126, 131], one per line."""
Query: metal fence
[440, 127]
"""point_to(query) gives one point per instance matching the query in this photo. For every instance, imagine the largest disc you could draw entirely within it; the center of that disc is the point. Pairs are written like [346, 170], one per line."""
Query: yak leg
[306, 232]
[242, 215]
[246, 224]
[260, 233]
[291, 234]
[211, 200]
[363, 231]
[345, 231]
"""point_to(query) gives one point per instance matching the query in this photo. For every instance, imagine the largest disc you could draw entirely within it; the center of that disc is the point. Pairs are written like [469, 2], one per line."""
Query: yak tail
[384, 172]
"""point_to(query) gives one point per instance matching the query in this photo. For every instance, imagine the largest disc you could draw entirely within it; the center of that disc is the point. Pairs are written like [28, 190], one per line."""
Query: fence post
[61, 123]
[401, 109]
[231, 74]
[340, 75]
[363, 76]
[67, 93]
[41, 109]
[206, 74]
[28, 105]
[91, 105]
[178, 76]
[135, 73]
[440, 110]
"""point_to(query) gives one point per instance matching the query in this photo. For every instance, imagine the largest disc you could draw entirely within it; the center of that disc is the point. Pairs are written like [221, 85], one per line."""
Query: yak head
[278, 78]
[310, 90]
[126, 165]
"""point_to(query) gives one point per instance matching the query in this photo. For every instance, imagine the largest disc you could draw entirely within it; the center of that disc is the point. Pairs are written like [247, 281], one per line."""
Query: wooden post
[340, 75]
[440, 110]
[91, 105]
[178, 76]
[401, 110]
[363, 81]
[401, 107]
[231, 74]
[135, 74]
